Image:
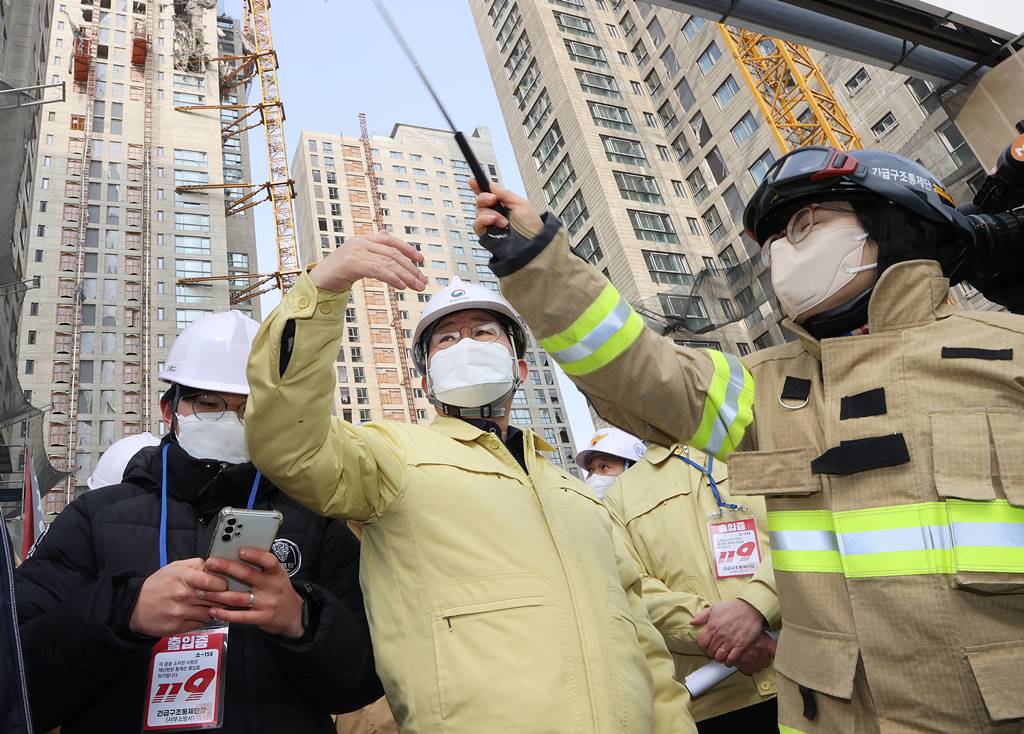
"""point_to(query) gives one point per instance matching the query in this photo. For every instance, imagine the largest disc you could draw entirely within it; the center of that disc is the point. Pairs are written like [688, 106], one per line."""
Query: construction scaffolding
[791, 91]
[258, 62]
[392, 293]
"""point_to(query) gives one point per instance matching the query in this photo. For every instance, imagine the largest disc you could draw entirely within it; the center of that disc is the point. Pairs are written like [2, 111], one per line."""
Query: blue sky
[337, 60]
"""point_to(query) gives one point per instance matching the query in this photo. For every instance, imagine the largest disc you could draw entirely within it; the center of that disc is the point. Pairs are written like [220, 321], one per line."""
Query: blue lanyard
[163, 503]
[711, 480]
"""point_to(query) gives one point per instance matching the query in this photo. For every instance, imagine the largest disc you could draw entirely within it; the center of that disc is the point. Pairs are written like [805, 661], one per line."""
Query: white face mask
[222, 439]
[807, 272]
[471, 373]
[600, 483]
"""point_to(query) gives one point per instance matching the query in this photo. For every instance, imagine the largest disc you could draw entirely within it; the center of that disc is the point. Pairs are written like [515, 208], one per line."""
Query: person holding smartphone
[124, 566]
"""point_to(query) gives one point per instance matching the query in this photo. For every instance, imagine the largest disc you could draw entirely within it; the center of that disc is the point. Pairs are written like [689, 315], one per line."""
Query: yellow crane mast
[798, 103]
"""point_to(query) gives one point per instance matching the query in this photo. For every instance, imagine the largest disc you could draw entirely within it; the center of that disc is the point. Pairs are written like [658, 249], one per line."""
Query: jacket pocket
[501, 654]
[778, 473]
[825, 662]
[975, 453]
[997, 669]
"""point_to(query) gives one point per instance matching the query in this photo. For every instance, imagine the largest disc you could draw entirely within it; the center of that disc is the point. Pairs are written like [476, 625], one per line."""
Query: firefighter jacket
[892, 464]
[498, 595]
[667, 507]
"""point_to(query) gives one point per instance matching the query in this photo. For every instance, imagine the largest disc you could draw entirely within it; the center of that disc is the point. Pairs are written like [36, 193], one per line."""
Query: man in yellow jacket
[887, 441]
[707, 578]
[499, 598]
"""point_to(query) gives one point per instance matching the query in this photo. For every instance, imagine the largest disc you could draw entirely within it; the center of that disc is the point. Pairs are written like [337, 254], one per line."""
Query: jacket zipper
[19, 663]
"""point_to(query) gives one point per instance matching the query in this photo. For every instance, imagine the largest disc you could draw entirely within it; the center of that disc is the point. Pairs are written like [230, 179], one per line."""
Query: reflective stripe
[902, 540]
[600, 334]
[728, 407]
[783, 729]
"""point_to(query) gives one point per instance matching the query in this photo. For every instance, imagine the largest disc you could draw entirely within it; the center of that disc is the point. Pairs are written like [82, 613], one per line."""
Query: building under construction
[420, 182]
[647, 129]
[115, 225]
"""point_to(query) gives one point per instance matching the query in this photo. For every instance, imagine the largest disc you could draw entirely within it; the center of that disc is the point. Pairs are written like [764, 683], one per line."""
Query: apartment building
[112, 228]
[421, 179]
[636, 125]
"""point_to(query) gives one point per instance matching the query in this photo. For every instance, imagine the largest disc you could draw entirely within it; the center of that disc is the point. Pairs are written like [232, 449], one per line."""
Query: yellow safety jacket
[665, 506]
[499, 600]
[893, 468]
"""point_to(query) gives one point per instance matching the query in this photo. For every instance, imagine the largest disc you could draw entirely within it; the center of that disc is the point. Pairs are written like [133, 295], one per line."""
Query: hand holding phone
[240, 528]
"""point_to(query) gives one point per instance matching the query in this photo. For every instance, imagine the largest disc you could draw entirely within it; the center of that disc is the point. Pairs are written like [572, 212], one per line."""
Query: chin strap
[843, 319]
[494, 409]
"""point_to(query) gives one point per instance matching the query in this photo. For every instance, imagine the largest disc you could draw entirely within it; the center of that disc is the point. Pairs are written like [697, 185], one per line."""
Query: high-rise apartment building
[24, 38]
[422, 181]
[636, 125]
[112, 230]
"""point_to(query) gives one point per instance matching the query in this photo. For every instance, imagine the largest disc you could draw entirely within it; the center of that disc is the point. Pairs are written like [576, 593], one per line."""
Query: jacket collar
[909, 293]
[657, 454]
[466, 432]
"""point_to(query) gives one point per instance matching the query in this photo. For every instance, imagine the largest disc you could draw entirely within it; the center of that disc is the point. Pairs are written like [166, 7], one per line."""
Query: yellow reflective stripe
[601, 333]
[728, 406]
[800, 520]
[896, 516]
[586, 322]
[783, 729]
[899, 563]
[807, 561]
[984, 560]
[991, 511]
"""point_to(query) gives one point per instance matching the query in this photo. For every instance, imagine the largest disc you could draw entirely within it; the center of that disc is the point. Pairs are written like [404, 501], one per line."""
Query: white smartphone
[238, 528]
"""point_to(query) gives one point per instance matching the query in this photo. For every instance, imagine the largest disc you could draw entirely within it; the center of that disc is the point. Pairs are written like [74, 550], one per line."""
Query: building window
[652, 226]
[638, 187]
[882, 128]
[671, 63]
[561, 179]
[682, 148]
[744, 130]
[708, 58]
[700, 128]
[667, 115]
[549, 146]
[953, 139]
[606, 115]
[858, 80]
[621, 150]
[640, 53]
[600, 84]
[691, 26]
[923, 93]
[654, 86]
[713, 223]
[575, 214]
[574, 24]
[689, 309]
[760, 166]
[764, 341]
[656, 32]
[726, 91]
[538, 114]
[588, 249]
[698, 186]
[668, 268]
[585, 53]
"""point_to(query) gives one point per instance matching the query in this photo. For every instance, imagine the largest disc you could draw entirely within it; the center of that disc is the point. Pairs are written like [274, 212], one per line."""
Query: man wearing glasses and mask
[123, 567]
[498, 596]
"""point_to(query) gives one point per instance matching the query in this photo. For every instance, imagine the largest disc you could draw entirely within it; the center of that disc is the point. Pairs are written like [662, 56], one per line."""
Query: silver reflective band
[894, 540]
[803, 540]
[608, 327]
[729, 408]
[989, 534]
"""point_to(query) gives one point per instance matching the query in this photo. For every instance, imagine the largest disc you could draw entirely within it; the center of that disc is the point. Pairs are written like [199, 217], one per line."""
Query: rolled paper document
[709, 675]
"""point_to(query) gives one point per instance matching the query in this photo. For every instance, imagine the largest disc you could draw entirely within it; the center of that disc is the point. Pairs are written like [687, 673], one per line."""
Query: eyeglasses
[799, 227]
[487, 332]
[209, 407]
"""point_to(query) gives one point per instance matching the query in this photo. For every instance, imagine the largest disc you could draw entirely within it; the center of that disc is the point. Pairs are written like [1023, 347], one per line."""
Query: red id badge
[186, 681]
[735, 547]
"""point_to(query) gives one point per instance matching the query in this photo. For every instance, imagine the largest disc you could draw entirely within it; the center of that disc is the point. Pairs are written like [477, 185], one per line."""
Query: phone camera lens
[231, 521]
[226, 537]
[238, 535]
[240, 526]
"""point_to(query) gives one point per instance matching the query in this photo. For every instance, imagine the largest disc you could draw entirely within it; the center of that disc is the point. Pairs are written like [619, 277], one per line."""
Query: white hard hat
[612, 441]
[110, 468]
[461, 296]
[212, 353]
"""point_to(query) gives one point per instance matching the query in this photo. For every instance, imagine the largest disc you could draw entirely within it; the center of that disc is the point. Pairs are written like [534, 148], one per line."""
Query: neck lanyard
[711, 480]
[163, 503]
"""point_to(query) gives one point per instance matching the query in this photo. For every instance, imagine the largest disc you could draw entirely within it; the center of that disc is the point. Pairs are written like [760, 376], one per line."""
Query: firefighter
[498, 594]
[887, 442]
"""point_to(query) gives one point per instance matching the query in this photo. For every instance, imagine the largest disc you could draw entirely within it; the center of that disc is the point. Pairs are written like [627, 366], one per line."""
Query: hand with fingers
[382, 256]
[519, 208]
[730, 626]
[167, 603]
[272, 604]
[757, 656]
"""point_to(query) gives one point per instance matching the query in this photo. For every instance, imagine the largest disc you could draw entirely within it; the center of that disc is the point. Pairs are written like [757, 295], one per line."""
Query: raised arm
[701, 397]
[327, 464]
